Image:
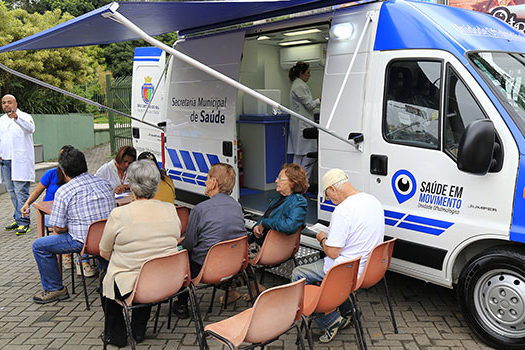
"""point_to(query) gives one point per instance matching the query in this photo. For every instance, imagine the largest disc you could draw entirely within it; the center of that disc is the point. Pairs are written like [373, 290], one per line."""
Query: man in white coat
[17, 159]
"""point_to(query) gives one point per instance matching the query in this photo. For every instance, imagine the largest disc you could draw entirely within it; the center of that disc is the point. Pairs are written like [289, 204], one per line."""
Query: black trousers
[115, 325]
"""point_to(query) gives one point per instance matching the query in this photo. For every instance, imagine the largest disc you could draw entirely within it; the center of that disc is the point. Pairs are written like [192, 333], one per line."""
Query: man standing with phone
[17, 159]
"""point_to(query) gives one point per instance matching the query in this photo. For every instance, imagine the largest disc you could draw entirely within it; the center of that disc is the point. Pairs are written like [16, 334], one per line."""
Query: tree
[67, 68]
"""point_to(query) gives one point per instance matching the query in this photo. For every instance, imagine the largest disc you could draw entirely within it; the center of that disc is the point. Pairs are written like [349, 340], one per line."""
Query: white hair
[144, 178]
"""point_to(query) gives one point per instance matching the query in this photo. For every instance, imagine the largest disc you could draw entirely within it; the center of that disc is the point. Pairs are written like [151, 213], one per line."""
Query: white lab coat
[301, 101]
[109, 172]
[19, 133]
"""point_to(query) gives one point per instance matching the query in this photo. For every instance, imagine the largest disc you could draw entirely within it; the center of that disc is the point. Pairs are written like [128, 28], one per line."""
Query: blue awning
[159, 18]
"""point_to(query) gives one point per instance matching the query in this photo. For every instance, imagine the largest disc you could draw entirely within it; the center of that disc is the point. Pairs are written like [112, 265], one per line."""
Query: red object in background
[239, 165]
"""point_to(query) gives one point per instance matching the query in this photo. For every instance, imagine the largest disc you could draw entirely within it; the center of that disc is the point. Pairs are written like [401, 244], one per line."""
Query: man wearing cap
[356, 227]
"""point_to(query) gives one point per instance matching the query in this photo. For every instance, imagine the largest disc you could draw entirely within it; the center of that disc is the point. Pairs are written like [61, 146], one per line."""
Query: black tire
[491, 293]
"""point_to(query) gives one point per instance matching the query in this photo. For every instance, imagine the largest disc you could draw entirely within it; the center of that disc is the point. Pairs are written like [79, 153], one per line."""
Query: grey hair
[144, 177]
[339, 184]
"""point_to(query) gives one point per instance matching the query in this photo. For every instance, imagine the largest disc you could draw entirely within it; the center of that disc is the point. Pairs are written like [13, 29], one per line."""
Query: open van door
[201, 128]
[148, 98]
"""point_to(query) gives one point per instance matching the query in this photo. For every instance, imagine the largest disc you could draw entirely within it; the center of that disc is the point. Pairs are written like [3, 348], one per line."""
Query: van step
[305, 255]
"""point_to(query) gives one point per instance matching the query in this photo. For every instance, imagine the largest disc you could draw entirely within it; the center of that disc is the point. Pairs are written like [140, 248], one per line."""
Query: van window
[461, 109]
[411, 110]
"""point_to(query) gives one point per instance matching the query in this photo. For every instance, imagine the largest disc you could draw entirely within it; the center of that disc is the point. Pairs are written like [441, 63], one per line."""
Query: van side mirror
[476, 148]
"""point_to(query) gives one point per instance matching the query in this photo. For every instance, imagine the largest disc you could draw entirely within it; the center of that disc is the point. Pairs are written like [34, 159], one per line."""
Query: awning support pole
[369, 18]
[134, 28]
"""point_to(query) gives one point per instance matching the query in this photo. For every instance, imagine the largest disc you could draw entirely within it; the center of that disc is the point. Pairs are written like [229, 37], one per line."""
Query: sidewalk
[428, 316]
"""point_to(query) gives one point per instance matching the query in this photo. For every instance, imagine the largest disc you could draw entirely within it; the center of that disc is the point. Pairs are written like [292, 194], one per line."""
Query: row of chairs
[276, 310]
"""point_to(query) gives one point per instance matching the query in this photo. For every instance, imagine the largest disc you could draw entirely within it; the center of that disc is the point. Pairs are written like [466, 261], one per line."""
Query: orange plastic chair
[161, 279]
[91, 247]
[277, 249]
[274, 313]
[224, 261]
[184, 216]
[374, 271]
[337, 285]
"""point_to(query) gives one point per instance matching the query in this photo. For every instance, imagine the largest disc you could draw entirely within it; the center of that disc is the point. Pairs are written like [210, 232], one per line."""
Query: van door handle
[378, 164]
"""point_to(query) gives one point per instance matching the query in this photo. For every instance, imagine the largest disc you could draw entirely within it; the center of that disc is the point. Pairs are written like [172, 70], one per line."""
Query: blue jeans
[314, 273]
[45, 250]
[18, 190]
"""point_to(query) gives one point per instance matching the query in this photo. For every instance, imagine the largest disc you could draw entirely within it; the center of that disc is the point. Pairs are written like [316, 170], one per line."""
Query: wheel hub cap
[500, 299]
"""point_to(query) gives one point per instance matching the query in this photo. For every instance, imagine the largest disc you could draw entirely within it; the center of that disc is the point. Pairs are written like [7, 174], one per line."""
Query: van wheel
[491, 292]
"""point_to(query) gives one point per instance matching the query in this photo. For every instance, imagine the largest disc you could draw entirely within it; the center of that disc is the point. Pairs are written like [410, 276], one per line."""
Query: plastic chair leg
[72, 273]
[197, 320]
[308, 332]
[212, 299]
[394, 324]
[157, 313]
[225, 298]
[170, 309]
[84, 284]
[125, 311]
[300, 337]
[246, 280]
[356, 314]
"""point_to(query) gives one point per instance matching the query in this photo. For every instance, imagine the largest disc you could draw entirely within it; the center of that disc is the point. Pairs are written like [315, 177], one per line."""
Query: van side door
[201, 128]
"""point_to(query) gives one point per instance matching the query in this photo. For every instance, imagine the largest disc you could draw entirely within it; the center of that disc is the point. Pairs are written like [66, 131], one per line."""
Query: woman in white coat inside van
[301, 101]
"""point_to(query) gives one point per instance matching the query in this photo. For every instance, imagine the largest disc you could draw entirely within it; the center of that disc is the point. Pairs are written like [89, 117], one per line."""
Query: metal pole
[111, 120]
[134, 28]
[345, 80]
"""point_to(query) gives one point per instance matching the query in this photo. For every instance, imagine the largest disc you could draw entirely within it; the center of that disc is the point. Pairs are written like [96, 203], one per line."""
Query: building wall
[55, 130]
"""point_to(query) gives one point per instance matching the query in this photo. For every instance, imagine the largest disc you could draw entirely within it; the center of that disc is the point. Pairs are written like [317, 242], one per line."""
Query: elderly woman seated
[134, 233]
[286, 213]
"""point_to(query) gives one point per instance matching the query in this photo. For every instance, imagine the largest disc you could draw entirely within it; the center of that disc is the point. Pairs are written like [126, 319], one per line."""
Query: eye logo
[404, 185]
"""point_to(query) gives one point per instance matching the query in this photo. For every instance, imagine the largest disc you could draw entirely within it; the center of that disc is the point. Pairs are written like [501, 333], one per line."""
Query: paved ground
[427, 315]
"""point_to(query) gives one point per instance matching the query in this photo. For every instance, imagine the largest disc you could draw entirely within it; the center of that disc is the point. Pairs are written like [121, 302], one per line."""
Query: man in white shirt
[356, 227]
[17, 159]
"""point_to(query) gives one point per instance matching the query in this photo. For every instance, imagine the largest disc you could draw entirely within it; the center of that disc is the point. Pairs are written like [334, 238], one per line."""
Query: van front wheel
[491, 292]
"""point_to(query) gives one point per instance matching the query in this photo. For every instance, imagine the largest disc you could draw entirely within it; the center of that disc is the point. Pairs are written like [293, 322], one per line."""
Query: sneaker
[345, 322]
[22, 230]
[89, 271]
[45, 296]
[331, 331]
[11, 227]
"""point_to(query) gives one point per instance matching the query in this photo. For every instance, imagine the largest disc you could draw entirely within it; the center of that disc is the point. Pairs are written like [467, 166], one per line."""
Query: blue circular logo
[404, 185]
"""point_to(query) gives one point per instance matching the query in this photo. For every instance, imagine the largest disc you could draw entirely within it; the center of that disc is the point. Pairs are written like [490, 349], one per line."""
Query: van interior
[262, 132]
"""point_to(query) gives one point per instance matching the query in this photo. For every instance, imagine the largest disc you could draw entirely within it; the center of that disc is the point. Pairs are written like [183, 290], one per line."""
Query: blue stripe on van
[188, 162]
[419, 228]
[213, 159]
[390, 222]
[201, 162]
[393, 214]
[146, 59]
[202, 178]
[428, 221]
[517, 229]
[174, 158]
[327, 208]
[148, 51]
[190, 175]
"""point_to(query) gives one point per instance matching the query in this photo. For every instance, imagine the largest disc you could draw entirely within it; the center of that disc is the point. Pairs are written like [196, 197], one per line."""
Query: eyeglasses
[282, 178]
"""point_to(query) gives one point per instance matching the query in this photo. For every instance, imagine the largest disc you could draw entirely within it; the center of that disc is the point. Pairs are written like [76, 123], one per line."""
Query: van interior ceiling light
[302, 32]
[263, 37]
[342, 31]
[295, 42]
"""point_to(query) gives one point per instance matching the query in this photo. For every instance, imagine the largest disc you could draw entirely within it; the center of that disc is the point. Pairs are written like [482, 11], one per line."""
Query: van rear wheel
[491, 292]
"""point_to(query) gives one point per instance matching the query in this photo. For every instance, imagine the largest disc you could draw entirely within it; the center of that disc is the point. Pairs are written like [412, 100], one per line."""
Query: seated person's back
[216, 219]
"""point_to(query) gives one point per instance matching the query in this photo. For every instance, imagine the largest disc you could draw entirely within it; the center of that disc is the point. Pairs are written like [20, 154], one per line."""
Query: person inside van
[166, 191]
[115, 170]
[301, 101]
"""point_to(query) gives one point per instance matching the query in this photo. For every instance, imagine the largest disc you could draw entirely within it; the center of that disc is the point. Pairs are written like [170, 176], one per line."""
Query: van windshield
[506, 71]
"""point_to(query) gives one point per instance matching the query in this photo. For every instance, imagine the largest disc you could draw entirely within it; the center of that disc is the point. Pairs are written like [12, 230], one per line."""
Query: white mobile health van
[422, 105]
